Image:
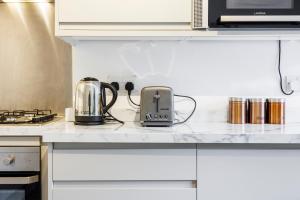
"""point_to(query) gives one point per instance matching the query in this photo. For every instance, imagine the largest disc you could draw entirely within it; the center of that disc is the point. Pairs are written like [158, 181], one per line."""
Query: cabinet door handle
[256, 18]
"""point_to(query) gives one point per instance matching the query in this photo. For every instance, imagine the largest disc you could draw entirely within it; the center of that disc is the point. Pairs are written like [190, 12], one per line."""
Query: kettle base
[89, 120]
[88, 123]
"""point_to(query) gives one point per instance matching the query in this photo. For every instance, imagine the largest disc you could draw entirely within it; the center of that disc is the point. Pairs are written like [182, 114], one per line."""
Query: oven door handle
[259, 18]
[19, 180]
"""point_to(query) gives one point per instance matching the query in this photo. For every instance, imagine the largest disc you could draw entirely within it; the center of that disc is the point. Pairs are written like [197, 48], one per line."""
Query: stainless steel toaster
[157, 106]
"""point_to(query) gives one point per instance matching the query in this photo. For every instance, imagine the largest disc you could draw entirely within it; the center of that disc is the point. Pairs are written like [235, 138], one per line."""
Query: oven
[261, 14]
[20, 173]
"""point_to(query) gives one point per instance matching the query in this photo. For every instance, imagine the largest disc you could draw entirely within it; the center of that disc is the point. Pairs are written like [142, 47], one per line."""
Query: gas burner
[35, 116]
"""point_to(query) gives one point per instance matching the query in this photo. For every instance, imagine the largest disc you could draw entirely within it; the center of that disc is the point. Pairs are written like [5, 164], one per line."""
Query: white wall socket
[292, 83]
[122, 80]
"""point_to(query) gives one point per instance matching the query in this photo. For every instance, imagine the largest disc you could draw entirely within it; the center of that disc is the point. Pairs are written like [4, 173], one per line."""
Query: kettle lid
[89, 79]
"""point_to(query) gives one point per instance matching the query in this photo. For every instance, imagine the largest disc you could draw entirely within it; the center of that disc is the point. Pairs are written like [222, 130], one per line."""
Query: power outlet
[122, 80]
[292, 83]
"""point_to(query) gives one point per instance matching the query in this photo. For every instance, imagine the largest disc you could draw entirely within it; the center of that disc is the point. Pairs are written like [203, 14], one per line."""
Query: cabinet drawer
[124, 164]
[117, 194]
[120, 11]
[248, 174]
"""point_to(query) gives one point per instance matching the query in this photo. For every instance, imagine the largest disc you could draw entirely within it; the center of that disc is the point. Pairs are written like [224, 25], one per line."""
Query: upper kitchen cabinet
[109, 14]
[125, 18]
[158, 20]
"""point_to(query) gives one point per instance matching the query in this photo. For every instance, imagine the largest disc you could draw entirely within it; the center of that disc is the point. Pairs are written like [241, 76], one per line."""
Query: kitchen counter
[132, 132]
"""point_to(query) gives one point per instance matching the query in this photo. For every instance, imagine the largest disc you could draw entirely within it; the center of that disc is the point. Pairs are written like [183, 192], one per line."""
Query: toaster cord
[129, 86]
[129, 97]
[194, 109]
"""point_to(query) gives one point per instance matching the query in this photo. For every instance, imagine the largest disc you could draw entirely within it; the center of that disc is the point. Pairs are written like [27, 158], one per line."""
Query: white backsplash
[211, 71]
[198, 68]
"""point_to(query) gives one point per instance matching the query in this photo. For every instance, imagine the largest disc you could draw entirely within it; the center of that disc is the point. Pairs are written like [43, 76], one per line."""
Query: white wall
[198, 68]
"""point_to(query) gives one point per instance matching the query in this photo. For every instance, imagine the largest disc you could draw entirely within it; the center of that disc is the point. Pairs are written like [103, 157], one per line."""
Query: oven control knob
[10, 160]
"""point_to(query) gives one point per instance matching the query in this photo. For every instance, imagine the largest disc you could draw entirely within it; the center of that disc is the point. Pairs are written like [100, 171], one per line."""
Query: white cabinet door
[124, 11]
[124, 164]
[237, 174]
[123, 194]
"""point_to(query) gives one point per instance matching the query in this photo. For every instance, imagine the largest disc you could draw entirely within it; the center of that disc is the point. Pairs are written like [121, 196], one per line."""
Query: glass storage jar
[237, 110]
[276, 111]
[257, 111]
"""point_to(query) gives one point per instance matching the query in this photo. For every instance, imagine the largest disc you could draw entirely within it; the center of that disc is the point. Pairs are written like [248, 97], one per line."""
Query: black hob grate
[35, 116]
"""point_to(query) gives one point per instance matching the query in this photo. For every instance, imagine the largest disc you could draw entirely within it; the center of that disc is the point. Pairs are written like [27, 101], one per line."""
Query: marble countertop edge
[132, 132]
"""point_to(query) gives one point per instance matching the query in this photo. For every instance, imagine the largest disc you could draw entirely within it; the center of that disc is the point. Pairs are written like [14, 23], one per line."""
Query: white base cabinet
[174, 172]
[248, 174]
[124, 164]
[123, 173]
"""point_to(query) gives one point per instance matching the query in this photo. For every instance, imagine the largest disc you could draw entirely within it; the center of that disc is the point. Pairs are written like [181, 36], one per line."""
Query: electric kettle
[90, 101]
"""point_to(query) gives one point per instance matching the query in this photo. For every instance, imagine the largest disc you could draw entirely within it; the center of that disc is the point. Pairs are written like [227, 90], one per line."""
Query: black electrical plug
[129, 86]
[115, 85]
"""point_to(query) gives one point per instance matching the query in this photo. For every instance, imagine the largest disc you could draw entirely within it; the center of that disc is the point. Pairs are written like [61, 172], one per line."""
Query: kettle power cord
[110, 117]
[192, 113]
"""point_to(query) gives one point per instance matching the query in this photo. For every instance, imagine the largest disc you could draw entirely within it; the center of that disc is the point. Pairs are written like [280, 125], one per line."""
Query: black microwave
[261, 14]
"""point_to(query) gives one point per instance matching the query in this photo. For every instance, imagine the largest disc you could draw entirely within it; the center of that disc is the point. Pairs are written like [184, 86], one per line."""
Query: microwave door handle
[19, 180]
[258, 18]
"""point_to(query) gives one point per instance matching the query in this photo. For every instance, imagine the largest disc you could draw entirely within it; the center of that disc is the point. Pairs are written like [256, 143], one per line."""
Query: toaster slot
[156, 98]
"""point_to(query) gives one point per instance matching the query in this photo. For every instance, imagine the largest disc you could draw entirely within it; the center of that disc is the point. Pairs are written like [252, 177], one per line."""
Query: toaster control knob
[10, 160]
[148, 116]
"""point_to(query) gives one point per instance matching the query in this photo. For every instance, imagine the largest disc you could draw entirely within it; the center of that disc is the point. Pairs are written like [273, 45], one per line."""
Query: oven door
[254, 14]
[20, 186]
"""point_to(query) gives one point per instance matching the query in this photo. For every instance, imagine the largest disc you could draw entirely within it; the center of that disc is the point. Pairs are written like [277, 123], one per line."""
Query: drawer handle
[19, 180]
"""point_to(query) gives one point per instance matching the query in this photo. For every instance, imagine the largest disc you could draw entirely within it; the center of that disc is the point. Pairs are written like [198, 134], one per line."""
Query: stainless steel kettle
[90, 101]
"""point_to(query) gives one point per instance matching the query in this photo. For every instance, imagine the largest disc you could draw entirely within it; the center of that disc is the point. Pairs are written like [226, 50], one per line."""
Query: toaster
[157, 106]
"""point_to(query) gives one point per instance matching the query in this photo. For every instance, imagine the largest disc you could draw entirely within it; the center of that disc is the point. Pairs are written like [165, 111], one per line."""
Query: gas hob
[35, 116]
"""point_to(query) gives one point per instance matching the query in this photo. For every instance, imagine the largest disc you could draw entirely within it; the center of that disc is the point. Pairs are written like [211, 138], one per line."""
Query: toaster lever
[156, 98]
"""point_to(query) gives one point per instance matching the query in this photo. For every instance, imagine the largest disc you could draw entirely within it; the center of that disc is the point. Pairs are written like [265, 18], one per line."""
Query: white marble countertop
[132, 132]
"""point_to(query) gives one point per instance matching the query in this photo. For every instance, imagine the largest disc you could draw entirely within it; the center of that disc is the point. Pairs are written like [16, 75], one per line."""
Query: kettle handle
[114, 97]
